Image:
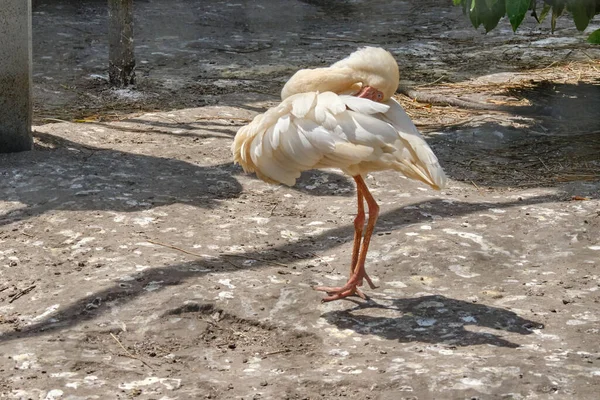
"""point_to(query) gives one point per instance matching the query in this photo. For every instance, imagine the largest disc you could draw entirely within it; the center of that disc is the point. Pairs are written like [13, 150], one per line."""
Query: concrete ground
[137, 262]
[148, 266]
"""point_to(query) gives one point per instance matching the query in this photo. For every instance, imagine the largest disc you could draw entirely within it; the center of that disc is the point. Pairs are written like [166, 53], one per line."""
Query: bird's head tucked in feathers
[368, 66]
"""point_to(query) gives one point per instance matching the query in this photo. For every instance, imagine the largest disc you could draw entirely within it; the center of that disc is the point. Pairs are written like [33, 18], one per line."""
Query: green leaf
[490, 3]
[481, 14]
[489, 12]
[557, 9]
[545, 10]
[583, 11]
[516, 10]
[594, 37]
[491, 16]
[473, 13]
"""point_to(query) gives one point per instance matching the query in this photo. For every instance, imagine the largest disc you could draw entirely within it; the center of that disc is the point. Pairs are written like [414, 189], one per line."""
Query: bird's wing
[320, 130]
[300, 134]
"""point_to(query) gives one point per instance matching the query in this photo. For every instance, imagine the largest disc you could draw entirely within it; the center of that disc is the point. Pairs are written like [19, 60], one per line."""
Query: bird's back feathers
[322, 130]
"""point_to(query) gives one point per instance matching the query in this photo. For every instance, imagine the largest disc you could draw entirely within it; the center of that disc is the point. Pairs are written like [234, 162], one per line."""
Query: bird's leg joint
[359, 221]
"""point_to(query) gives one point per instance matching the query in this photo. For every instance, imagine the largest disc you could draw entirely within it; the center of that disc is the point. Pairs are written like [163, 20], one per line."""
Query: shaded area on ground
[540, 133]
[80, 177]
[433, 319]
[390, 221]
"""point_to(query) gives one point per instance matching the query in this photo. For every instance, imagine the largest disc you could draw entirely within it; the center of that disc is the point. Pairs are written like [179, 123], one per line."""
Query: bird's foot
[349, 289]
[337, 293]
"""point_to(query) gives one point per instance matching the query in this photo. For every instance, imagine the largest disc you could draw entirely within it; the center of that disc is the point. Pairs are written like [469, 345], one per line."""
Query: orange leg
[359, 223]
[359, 252]
[373, 215]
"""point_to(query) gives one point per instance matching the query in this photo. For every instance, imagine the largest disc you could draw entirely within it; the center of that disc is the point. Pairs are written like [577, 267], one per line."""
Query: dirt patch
[222, 330]
[212, 340]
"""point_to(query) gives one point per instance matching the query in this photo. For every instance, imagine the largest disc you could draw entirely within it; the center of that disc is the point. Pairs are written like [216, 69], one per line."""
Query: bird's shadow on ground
[433, 319]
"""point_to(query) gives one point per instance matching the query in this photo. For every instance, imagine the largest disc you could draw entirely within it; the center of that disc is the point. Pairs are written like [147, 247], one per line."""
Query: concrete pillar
[121, 61]
[15, 76]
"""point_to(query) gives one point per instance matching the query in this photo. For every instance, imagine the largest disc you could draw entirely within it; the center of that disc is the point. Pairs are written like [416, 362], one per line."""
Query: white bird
[342, 116]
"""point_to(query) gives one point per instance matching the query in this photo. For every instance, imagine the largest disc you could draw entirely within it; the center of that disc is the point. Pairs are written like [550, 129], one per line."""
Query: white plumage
[324, 130]
[341, 117]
